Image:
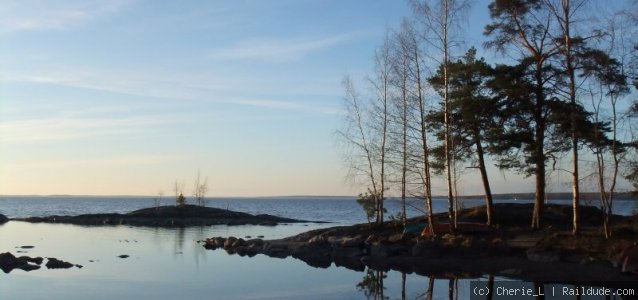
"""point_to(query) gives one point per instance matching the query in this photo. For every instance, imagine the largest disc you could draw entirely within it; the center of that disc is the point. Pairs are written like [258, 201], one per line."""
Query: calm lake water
[170, 264]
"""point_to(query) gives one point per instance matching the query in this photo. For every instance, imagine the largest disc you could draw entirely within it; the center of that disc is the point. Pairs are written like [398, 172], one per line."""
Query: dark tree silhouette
[524, 26]
[473, 110]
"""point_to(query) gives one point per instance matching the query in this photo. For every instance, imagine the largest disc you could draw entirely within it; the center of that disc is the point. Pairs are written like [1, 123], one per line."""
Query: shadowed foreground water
[169, 264]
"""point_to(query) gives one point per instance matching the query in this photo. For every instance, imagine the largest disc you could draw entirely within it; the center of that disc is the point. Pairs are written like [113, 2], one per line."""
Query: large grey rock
[3, 219]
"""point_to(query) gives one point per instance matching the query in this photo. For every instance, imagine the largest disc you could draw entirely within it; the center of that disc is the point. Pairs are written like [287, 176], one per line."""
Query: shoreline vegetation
[509, 248]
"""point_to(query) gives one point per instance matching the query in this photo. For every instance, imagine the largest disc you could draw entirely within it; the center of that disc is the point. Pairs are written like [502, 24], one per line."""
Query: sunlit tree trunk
[426, 176]
[484, 178]
[438, 17]
[446, 115]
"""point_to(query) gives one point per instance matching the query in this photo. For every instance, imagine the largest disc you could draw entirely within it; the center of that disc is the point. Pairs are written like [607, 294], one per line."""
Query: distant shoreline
[552, 196]
[591, 196]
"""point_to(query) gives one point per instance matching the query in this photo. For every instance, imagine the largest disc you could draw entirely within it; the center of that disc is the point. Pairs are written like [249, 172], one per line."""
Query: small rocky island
[9, 262]
[168, 216]
[509, 249]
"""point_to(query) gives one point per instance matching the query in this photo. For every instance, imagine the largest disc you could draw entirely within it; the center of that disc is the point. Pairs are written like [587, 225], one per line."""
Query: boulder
[229, 242]
[8, 262]
[255, 242]
[35, 260]
[3, 219]
[238, 243]
[275, 250]
[319, 239]
[55, 263]
[216, 242]
[352, 242]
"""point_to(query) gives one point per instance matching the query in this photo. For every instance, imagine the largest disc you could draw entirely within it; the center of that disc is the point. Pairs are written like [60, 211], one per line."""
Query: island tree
[411, 62]
[200, 189]
[364, 141]
[400, 80]
[381, 111]
[473, 110]
[522, 27]
[440, 18]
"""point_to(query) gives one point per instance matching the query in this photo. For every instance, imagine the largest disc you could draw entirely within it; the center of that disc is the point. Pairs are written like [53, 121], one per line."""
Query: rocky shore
[509, 249]
[9, 262]
[168, 216]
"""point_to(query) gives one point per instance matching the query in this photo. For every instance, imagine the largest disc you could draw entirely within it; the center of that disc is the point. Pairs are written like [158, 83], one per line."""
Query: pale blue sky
[126, 96]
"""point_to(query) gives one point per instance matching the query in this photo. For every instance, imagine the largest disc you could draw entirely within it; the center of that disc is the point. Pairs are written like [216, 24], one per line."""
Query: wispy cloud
[60, 128]
[288, 105]
[200, 87]
[20, 15]
[124, 82]
[107, 161]
[278, 50]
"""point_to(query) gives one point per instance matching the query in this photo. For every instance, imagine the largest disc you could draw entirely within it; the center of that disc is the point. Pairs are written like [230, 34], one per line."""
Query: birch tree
[411, 51]
[381, 113]
[200, 189]
[401, 81]
[363, 144]
[440, 18]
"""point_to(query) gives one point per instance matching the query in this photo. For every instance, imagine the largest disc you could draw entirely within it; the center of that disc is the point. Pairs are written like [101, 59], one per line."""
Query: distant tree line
[566, 92]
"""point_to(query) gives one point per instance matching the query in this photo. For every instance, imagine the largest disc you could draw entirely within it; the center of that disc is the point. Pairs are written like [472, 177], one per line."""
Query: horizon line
[287, 196]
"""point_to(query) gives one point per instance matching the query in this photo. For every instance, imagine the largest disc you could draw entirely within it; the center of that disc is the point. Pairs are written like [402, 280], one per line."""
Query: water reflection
[169, 264]
[430, 291]
[372, 285]
[179, 240]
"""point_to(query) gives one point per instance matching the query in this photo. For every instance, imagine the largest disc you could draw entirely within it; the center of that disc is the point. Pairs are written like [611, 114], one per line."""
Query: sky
[124, 97]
